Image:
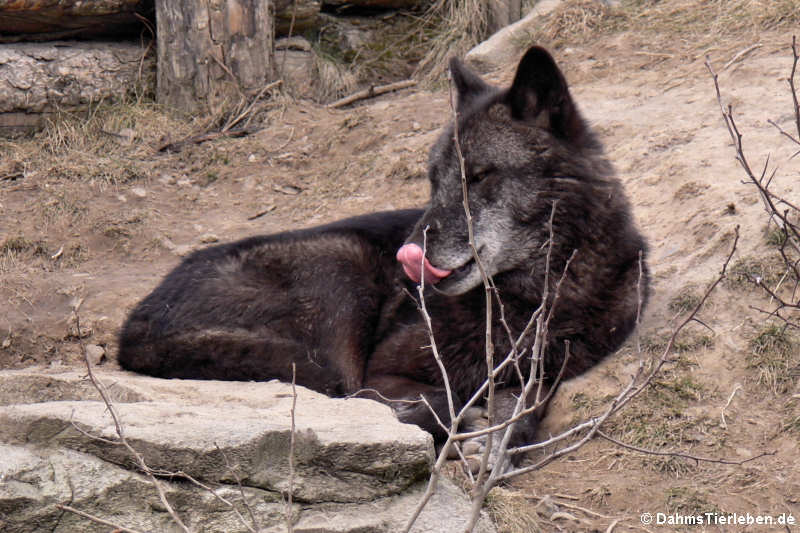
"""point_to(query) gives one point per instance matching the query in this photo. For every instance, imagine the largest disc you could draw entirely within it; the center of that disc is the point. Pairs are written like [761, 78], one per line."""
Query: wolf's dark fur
[334, 300]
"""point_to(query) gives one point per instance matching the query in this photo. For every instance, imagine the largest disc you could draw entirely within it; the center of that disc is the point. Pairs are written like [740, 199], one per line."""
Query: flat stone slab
[356, 467]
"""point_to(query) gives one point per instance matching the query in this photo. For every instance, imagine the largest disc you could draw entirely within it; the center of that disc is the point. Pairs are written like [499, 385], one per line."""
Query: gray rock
[356, 467]
[506, 45]
[33, 482]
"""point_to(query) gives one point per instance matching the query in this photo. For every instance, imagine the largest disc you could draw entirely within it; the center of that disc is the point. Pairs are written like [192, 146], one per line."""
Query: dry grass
[110, 143]
[460, 25]
[696, 23]
[333, 79]
[512, 511]
[687, 299]
[750, 270]
[774, 353]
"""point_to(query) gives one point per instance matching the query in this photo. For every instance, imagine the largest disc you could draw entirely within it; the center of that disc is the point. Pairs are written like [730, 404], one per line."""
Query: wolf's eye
[481, 173]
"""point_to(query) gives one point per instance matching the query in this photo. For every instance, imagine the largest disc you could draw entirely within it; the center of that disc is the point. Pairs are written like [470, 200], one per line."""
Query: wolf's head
[523, 147]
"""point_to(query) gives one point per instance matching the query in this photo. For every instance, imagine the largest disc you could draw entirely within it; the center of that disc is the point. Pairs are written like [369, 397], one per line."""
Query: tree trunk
[212, 51]
[502, 13]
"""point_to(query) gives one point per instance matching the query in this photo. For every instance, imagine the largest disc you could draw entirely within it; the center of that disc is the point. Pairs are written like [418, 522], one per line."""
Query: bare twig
[371, 92]
[682, 455]
[96, 519]
[289, 517]
[454, 420]
[488, 286]
[233, 471]
[177, 146]
[727, 404]
[795, 59]
[120, 429]
[232, 122]
[783, 213]
[739, 55]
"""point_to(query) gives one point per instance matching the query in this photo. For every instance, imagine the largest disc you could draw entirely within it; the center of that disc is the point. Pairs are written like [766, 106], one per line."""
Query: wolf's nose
[413, 260]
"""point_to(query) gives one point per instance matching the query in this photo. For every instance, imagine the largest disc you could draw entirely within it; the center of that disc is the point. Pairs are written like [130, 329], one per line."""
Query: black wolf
[335, 300]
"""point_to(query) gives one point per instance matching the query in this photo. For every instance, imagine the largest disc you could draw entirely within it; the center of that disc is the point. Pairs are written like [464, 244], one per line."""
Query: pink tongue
[411, 256]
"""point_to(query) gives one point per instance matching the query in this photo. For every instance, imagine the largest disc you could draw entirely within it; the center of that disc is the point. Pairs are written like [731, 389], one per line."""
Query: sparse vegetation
[688, 341]
[21, 244]
[689, 501]
[775, 353]
[512, 511]
[777, 236]
[687, 299]
[747, 272]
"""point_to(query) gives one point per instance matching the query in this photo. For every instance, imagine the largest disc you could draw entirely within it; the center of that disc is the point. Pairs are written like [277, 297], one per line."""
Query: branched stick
[454, 420]
[120, 430]
[233, 471]
[785, 219]
[488, 285]
[96, 519]
[638, 382]
[289, 519]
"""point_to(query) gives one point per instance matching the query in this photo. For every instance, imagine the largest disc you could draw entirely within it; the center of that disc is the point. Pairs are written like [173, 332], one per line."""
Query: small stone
[471, 447]
[208, 238]
[126, 135]
[139, 192]
[95, 353]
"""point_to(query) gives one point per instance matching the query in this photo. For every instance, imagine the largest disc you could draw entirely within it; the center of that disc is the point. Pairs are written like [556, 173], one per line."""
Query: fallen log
[37, 20]
[37, 79]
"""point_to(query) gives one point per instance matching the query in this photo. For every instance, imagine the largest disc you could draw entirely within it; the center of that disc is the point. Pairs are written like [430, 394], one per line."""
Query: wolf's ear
[468, 84]
[540, 95]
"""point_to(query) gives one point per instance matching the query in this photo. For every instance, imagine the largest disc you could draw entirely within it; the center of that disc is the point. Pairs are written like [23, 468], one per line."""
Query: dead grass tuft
[710, 22]
[111, 143]
[774, 353]
[459, 26]
[692, 21]
[689, 501]
[687, 299]
[657, 420]
[576, 20]
[750, 270]
[512, 511]
[333, 79]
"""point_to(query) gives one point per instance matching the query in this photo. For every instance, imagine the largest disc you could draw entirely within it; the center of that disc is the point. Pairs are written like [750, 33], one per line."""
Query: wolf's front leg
[405, 396]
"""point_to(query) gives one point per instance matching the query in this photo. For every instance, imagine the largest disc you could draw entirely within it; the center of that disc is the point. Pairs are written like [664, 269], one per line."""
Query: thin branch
[795, 58]
[289, 518]
[96, 519]
[695, 458]
[233, 471]
[232, 122]
[372, 92]
[119, 427]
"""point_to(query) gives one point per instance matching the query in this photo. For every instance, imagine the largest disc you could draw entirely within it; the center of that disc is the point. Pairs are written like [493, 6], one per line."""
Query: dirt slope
[106, 228]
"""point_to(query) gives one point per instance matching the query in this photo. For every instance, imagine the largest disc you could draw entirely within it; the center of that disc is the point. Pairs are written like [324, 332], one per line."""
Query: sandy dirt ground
[106, 234]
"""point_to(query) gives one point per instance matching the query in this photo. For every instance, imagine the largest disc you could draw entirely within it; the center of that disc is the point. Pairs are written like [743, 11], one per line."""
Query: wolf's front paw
[473, 449]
